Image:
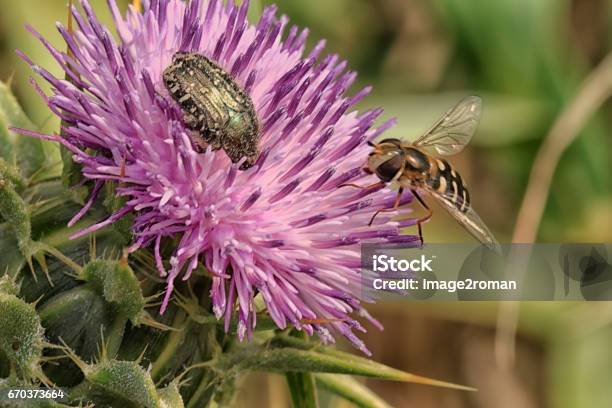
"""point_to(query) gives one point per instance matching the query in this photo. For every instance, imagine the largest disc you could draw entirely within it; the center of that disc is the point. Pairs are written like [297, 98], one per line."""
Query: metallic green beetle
[214, 107]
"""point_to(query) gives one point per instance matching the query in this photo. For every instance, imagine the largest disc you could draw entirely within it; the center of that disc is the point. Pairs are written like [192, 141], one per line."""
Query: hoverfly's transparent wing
[467, 218]
[453, 131]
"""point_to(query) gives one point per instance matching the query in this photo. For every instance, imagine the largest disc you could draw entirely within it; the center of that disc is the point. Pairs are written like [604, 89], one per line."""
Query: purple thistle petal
[282, 228]
[88, 204]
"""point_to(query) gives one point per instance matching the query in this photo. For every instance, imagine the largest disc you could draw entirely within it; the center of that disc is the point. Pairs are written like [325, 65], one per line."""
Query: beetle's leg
[200, 145]
[395, 205]
[190, 120]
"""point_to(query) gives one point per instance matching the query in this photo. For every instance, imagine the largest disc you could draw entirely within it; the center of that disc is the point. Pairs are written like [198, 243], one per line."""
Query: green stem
[205, 391]
[174, 342]
[303, 389]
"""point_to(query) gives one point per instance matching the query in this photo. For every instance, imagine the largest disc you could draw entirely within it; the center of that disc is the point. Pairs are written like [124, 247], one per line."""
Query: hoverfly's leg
[395, 206]
[370, 187]
[422, 219]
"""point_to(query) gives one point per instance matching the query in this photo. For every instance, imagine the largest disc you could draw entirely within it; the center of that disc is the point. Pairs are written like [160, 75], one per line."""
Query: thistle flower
[282, 228]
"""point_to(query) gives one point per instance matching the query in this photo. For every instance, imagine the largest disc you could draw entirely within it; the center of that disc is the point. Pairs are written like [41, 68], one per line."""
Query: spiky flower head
[282, 228]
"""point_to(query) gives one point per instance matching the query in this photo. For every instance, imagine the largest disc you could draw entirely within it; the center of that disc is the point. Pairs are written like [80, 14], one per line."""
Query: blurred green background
[526, 58]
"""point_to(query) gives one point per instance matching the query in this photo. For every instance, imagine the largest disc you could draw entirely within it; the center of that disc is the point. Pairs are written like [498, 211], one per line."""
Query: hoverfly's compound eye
[387, 170]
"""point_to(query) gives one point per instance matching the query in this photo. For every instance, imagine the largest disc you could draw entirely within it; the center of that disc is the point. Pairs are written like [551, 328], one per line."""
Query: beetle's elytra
[214, 107]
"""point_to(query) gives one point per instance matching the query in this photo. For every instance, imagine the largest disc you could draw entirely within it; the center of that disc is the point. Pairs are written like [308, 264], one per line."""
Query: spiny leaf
[12, 260]
[170, 397]
[21, 336]
[291, 354]
[29, 154]
[9, 285]
[11, 173]
[77, 316]
[115, 383]
[126, 379]
[118, 284]
[14, 210]
[357, 365]
[352, 390]
[6, 141]
[11, 110]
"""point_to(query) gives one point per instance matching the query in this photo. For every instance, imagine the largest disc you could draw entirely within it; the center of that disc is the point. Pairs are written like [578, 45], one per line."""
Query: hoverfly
[411, 166]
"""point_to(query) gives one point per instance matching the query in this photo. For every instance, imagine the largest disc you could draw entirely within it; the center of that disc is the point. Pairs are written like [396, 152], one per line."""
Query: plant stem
[592, 93]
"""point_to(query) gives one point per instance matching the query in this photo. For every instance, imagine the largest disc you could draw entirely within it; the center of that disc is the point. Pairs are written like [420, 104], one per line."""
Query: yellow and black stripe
[449, 183]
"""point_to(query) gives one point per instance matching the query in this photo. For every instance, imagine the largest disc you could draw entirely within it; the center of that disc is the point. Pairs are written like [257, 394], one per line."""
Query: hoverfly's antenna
[370, 143]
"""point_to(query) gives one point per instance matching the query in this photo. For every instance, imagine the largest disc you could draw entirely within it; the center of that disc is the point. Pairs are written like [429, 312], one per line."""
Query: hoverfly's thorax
[416, 161]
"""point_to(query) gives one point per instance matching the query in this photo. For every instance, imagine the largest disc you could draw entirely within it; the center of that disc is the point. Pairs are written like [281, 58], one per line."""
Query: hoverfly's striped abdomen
[448, 182]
